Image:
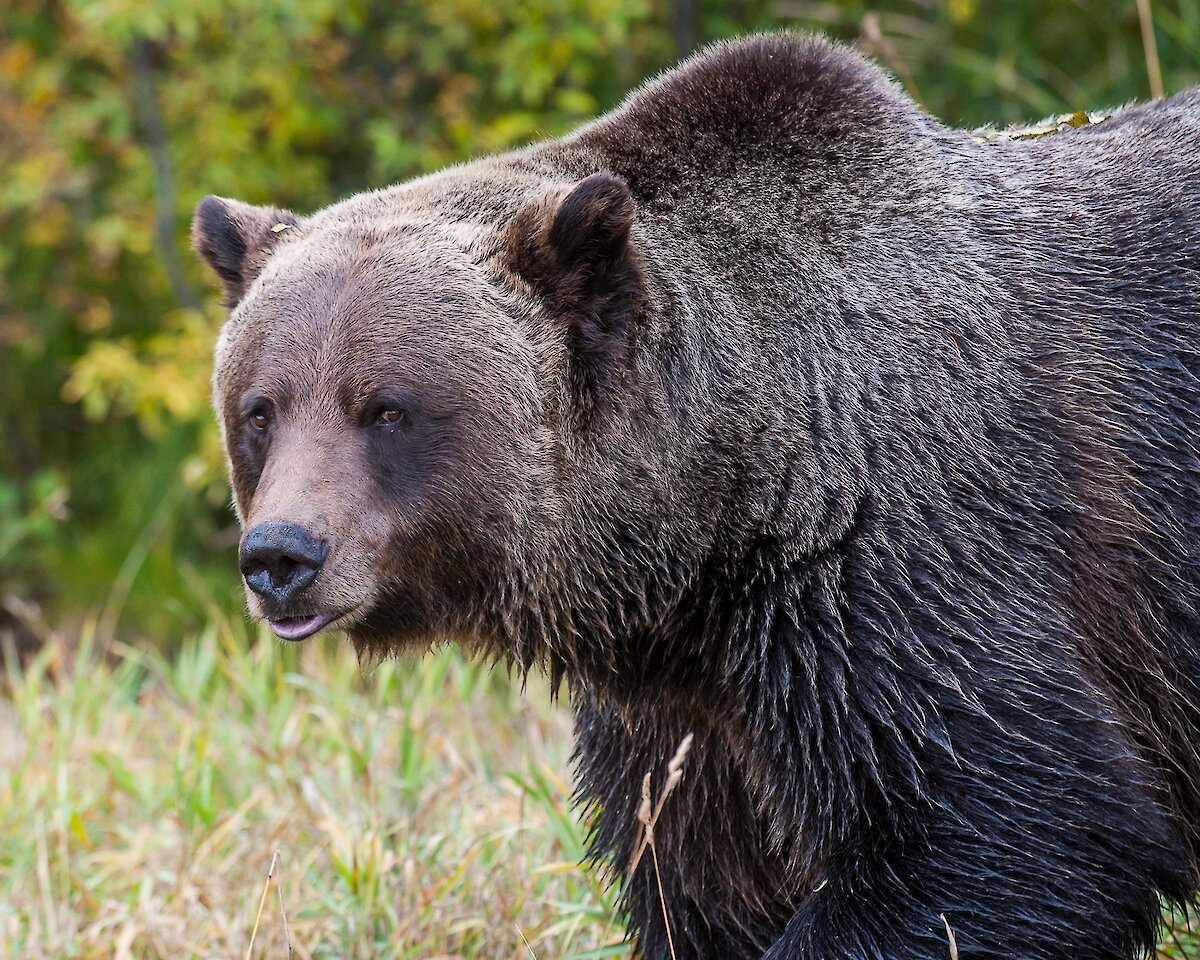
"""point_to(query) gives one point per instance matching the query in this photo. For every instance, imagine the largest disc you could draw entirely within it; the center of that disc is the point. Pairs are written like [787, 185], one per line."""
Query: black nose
[279, 560]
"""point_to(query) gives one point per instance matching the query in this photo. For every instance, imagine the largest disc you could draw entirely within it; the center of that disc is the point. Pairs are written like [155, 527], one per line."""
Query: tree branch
[155, 138]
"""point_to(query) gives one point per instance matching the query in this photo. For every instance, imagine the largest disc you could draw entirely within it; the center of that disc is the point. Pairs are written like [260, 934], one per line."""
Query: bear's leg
[719, 880]
[1037, 853]
[1015, 888]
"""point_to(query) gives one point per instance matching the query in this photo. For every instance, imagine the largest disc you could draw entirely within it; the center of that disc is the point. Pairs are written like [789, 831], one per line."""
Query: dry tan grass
[142, 802]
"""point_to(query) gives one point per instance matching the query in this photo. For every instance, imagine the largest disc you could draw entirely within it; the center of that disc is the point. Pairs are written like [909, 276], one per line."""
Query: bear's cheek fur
[459, 508]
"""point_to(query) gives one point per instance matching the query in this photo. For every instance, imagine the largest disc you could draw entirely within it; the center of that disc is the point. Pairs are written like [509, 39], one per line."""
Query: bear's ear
[235, 239]
[574, 249]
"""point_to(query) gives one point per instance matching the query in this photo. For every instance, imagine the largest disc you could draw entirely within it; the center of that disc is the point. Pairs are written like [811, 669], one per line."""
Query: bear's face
[389, 408]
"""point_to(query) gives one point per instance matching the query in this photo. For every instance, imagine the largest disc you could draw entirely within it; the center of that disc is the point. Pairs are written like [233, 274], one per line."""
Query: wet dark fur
[875, 466]
[944, 661]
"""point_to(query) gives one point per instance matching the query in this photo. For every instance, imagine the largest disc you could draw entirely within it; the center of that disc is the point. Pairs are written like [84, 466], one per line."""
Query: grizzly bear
[768, 409]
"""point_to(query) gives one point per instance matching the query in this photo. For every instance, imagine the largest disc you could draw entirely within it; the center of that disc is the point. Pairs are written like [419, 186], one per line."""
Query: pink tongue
[297, 628]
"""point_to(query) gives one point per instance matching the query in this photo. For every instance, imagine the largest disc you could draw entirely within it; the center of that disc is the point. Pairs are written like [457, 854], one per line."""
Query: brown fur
[767, 408]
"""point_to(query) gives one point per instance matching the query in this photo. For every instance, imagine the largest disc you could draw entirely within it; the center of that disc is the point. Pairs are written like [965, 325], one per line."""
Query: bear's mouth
[300, 628]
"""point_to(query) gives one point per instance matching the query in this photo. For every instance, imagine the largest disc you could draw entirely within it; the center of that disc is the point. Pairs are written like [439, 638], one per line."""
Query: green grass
[416, 809]
[413, 809]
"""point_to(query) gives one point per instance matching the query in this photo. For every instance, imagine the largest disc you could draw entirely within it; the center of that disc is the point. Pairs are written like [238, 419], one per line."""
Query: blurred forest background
[116, 116]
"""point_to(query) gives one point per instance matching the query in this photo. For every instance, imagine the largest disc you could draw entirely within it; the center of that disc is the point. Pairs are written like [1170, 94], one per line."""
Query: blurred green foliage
[116, 116]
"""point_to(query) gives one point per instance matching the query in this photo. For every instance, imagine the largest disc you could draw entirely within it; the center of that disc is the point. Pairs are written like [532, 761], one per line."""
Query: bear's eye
[388, 415]
[259, 418]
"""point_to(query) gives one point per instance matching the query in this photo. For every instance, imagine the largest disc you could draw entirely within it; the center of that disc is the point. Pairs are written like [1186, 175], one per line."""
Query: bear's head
[405, 385]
